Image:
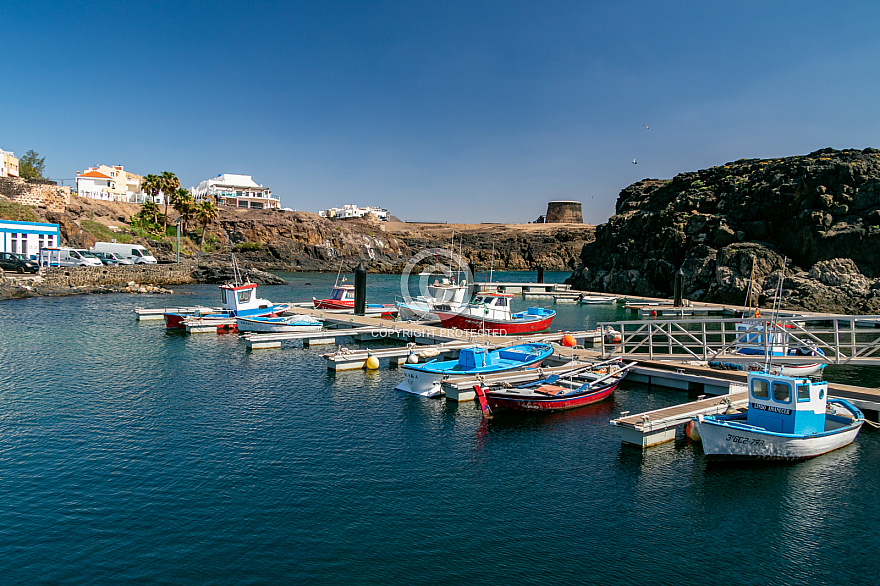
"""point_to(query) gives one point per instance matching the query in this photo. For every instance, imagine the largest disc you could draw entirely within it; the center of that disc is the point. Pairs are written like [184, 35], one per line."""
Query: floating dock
[660, 426]
[144, 313]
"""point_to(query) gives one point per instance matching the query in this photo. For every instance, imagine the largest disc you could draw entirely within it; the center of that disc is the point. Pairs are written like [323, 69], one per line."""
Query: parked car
[19, 263]
[88, 254]
[108, 258]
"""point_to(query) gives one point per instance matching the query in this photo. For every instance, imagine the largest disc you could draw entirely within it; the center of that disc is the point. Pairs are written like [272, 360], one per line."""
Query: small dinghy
[558, 392]
[290, 323]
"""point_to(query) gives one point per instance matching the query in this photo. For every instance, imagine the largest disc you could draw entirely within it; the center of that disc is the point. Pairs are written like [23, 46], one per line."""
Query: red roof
[94, 174]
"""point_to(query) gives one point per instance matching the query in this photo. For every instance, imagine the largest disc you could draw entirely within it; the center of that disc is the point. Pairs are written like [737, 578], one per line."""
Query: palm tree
[206, 213]
[185, 205]
[169, 184]
[150, 186]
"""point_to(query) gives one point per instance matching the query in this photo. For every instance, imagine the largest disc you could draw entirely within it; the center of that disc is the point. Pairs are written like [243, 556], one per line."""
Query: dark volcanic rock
[821, 211]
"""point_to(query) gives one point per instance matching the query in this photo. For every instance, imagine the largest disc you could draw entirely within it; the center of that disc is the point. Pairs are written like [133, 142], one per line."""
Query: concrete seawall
[163, 274]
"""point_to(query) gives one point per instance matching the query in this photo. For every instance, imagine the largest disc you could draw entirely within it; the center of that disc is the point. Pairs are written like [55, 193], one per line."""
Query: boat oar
[484, 404]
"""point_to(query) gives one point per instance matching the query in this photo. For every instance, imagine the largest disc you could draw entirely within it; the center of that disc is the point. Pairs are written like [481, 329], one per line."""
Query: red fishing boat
[584, 386]
[490, 312]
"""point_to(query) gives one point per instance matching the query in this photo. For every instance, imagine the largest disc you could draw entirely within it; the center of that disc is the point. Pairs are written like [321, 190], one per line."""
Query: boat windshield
[760, 389]
[245, 296]
[781, 392]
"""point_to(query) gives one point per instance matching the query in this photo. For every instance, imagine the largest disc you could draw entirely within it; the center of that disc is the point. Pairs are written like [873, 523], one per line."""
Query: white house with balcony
[353, 211]
[238, 191]
[110, 183]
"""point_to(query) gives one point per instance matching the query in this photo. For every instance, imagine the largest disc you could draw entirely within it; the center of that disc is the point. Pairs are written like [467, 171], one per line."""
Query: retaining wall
[35, 193]
[170, 274]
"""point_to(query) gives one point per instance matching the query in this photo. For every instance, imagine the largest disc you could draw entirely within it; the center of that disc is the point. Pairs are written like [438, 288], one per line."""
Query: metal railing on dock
[840, 339]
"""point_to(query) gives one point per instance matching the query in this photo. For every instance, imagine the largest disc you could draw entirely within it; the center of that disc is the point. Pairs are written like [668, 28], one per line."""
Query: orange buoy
[693, 431]
[568, 341]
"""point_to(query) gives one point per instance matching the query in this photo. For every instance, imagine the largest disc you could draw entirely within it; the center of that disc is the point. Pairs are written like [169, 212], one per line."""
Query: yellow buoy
[372, 363]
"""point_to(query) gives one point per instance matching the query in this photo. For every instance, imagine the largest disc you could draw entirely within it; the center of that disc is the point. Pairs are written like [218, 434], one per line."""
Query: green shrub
[10, 210]
[104, 234]
[246, 247]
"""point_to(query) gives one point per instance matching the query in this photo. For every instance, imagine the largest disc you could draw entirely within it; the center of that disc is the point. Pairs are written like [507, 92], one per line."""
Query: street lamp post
[178, 239]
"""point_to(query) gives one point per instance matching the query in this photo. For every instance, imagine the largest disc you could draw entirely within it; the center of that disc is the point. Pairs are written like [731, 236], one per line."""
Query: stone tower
[561, 212]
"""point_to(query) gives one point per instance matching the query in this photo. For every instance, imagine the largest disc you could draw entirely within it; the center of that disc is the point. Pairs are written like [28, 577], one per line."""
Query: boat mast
[777, 299]
[339, 272]
[236, 273]
[492, 264]
[750, 290]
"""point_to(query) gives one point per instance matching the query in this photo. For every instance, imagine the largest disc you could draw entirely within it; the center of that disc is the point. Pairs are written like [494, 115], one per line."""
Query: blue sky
[438, 111]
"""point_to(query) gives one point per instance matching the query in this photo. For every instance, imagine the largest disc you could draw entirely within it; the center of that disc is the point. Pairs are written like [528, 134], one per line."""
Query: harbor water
[129, 453]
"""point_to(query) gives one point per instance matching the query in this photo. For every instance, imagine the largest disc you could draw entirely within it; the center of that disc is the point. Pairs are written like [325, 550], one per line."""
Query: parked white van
[133, 252]
[66, 257]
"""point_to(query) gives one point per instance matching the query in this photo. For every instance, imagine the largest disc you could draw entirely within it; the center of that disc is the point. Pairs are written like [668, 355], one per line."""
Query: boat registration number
[738, 439]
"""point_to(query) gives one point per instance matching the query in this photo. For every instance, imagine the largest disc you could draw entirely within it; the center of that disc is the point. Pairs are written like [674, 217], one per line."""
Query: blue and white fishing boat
[788, 418]
[283, 324]
[425, 379]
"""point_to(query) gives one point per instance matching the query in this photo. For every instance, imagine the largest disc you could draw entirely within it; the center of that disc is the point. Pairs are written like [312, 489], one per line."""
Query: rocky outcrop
[821, 211]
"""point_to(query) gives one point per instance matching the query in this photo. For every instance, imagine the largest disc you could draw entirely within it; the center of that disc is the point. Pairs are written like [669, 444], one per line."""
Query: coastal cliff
[821, 211]
[302, 241]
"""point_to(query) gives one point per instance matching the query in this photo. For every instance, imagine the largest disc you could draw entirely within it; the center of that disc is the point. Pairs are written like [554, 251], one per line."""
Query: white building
[238, 191]
[28, 238]
[8, 164]
[353, 211]
[110, 184]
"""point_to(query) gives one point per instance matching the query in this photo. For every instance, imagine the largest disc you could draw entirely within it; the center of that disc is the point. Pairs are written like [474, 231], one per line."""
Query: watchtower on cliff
[564, 212]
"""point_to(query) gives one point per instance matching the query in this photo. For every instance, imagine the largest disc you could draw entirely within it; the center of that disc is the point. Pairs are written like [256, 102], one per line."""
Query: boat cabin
[447, 291]
[342, 293]
[491, 306]
[471, 358]
[752, 339]
[242, 297]
[787, 404]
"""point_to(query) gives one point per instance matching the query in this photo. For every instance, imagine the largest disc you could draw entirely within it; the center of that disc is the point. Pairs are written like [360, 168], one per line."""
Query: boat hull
[502, 327]
[371, 309]
[724, 440]
[793, 370]
[597, 300]
[501, 401]
[256, 325]
[222, 317]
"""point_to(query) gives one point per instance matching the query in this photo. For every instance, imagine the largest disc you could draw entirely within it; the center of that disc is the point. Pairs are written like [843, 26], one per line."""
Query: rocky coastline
[821, 211]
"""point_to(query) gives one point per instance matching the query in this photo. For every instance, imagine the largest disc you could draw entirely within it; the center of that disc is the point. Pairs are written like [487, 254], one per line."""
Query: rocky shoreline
[23, 286]
[820, 211]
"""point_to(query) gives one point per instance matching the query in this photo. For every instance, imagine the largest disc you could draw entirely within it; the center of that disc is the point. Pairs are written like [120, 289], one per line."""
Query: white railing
[840, 339]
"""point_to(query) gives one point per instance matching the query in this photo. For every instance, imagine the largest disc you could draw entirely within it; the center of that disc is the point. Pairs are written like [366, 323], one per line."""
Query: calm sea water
[132, 454]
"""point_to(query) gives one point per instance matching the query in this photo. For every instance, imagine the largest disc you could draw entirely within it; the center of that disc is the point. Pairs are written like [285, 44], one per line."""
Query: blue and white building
[28, 237]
